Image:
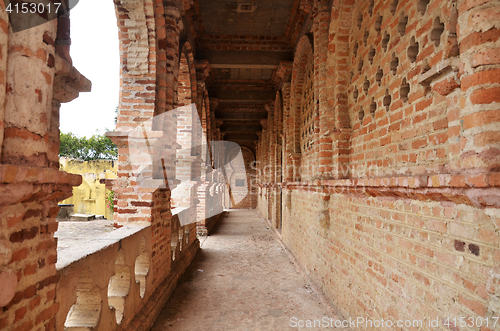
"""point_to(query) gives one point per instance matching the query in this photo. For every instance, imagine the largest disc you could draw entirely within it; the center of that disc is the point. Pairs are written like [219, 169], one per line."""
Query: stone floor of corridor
[242, 279]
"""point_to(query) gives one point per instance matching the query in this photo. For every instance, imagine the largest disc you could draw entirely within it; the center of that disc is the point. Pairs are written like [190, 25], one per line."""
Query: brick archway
[303, 57]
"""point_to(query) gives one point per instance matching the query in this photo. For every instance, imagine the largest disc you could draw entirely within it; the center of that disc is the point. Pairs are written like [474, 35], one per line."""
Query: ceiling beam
[241, 137]
[242, 116]
[244, 95]
[244, 66]
[228, 57]
[240, 128]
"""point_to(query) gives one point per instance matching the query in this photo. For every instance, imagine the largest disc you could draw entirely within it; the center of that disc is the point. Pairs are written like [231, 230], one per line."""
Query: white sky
[95, 54]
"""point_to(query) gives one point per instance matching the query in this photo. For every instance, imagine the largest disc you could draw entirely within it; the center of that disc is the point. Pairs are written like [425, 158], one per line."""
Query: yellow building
[90, 197]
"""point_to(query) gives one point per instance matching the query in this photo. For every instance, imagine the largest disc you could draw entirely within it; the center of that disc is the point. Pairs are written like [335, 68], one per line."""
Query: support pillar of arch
[479, 100]
[323, 148]
[288, 143]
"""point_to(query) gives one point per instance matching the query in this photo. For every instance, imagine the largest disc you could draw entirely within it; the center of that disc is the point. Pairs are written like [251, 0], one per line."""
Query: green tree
[96, 147]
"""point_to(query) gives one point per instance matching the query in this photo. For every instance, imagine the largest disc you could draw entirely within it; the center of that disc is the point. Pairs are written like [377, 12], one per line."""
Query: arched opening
[99, 61]
[174, 241]
[187, 122]
[142, 267]
[119, 287]
[86, 312]
[304, 109]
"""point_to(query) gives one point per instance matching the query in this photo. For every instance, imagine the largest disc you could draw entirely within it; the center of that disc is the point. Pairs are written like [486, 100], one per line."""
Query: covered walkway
[242, 279]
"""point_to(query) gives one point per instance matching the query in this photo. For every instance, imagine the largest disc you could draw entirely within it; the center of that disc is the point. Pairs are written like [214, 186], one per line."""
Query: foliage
[110, 200]
[96, 147]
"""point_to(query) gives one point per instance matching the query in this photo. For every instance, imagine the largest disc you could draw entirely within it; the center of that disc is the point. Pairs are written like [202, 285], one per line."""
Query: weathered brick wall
[28, 246]
[400, 124]
[37, 77]
[443, 257]
[35, 80]
[406, 110]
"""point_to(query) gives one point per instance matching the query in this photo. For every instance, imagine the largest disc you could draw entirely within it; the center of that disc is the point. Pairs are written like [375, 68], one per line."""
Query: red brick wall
[397, 258]
[412, 230]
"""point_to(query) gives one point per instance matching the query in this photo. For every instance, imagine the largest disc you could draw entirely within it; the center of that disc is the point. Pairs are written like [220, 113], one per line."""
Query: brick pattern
[136, 25]
[28, 222]
[442, 256]
[378, 160]
[398, 124]
[30, 181]
[395, 214]
[479, 44]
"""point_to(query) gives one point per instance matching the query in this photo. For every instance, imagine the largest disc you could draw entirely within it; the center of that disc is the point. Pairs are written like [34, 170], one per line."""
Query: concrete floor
[242, 279]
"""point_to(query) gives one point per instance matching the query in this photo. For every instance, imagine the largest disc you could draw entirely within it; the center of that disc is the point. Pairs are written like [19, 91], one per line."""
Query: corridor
[242, 279]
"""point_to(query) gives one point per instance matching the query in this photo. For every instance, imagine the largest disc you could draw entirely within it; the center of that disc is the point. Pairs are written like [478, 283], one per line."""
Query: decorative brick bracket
[442, 78]
[68, 82]
[25, 184]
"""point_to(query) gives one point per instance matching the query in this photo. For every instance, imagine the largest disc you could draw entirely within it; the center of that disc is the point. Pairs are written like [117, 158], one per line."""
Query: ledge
[88, 247]
[480, 190]
[446, 65]
[120, 138]
[178, 210]
[13, 174]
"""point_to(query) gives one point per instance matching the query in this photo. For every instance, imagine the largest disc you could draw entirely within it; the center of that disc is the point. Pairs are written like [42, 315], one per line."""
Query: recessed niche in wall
[370, 7]
[142, 267]
[181, 239]
[437, 31]
[365, 37]
[394, 6]
[366, 85]
[378, 23]
[404, 90]
[361, 114]
[350, 77]
[360, 65]
[373, 107]
[119, 286]
[355, 50]
[355, 94]
[385, 41]
[412, 50]
[403, 21]
[379, 75]
[174, 241]
[186, 234]
[422, 6]
[371, 55]
[86, 312]
[394, 63]
[387, 100]
[360, 20]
